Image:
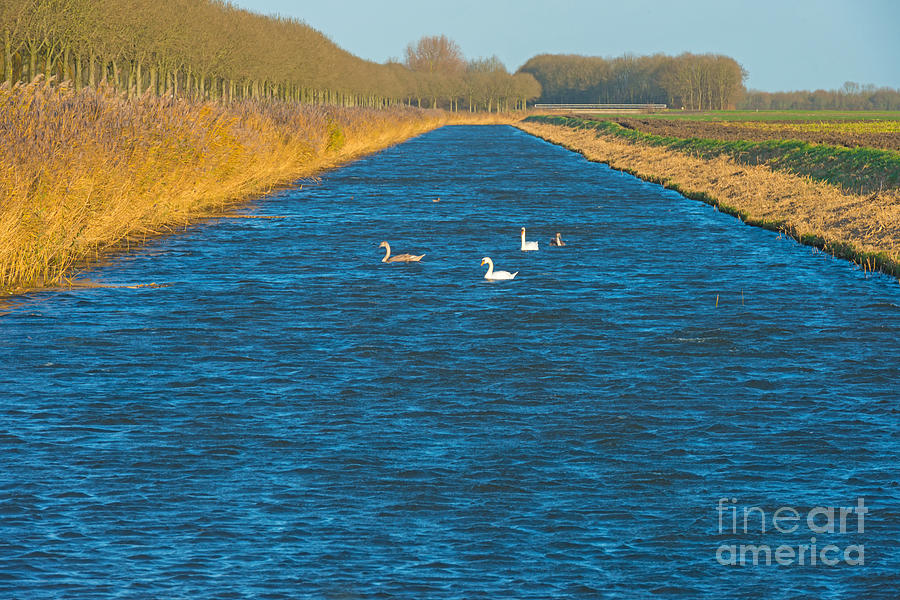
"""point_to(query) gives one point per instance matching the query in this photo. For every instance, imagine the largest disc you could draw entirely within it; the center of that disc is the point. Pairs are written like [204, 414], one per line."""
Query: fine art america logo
[830, 523]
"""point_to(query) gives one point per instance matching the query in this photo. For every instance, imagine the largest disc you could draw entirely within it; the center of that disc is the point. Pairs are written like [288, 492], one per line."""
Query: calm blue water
[292, 418]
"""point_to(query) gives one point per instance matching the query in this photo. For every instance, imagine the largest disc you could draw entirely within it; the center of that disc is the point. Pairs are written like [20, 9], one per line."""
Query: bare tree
[213, 49]
[440, 63]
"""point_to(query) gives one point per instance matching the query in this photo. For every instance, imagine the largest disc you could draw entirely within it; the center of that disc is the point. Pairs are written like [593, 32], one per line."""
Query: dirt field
[872, 134]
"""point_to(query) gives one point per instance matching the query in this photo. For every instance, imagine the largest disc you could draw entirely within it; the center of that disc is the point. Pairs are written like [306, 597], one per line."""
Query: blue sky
[784, 44]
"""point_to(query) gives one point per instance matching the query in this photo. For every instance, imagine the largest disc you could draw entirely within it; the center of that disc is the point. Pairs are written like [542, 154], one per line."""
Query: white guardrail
[601, 107]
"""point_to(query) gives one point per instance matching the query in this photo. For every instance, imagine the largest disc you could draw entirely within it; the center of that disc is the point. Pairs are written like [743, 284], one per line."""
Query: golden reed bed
[84, 172]
[865, 228]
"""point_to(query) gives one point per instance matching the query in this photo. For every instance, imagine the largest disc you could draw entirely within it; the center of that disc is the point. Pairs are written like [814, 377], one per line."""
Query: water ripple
[292, 418]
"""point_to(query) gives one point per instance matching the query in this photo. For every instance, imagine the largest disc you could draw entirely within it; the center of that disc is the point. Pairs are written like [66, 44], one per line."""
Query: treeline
[445, 79]
[692, 81]
[852, 96]
[211, 49]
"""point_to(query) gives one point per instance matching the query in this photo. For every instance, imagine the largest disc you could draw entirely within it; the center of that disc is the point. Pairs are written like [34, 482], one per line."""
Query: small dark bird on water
[557, 241]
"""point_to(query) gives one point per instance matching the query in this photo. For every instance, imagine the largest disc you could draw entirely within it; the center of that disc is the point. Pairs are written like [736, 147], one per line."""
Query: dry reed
[82, 172]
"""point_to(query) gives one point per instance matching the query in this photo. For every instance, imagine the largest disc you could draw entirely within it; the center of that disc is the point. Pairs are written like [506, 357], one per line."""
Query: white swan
[496, 275]
[526, 246]
[407, 258]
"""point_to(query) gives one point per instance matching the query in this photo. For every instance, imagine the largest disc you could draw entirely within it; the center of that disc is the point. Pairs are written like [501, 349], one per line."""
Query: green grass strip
[859, 170]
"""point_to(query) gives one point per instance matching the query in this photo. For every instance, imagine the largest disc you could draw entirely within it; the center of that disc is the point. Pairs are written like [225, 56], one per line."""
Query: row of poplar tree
[211, 49]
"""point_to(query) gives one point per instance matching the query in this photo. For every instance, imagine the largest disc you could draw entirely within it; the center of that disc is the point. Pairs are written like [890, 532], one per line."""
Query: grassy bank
[860, 169]
[864, 227]
[83, 172]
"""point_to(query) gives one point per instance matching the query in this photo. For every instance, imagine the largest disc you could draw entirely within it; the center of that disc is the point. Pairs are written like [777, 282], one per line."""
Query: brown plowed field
[852, 134]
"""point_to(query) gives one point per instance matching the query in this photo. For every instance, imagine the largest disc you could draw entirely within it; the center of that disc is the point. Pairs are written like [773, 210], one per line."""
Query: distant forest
[692, 81]
[852, 96]
[211, 49]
